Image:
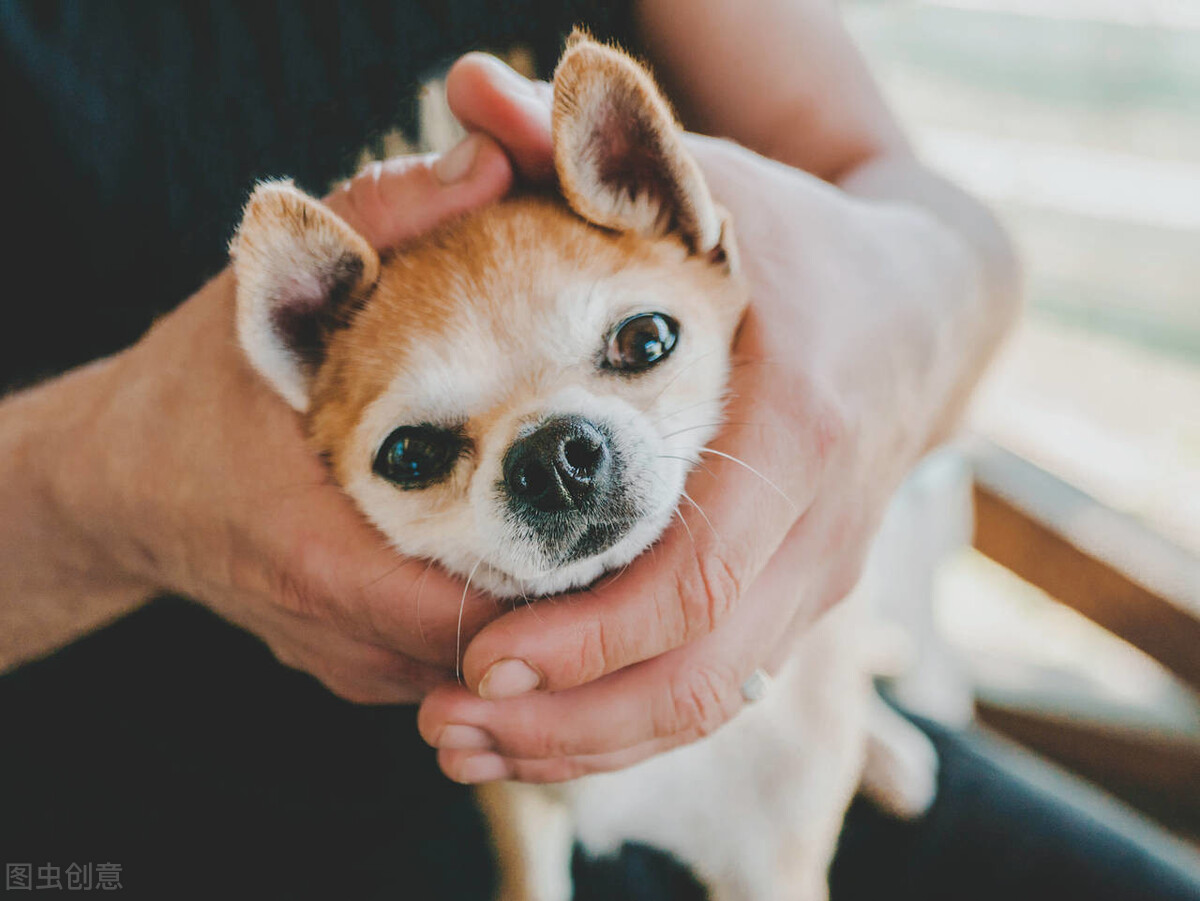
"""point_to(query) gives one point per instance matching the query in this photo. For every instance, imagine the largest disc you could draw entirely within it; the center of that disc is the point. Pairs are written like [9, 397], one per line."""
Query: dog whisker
[458, 632]
[687, 497]
[529, 603]
[683, 369]
[400, 564]
[737, 363]
[700, 403]
[749, 468]
[705, 425]
[687, 528]
[695, 464]
[420, 591]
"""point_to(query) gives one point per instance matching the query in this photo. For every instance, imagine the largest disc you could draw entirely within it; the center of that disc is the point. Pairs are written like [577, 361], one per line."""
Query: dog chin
[506, 584]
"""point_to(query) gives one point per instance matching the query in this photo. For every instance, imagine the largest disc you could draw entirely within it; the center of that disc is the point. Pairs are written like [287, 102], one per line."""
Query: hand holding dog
[865, 331]
[185, 472]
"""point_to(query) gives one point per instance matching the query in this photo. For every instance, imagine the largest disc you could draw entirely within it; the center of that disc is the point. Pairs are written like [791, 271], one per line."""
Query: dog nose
[559, 465]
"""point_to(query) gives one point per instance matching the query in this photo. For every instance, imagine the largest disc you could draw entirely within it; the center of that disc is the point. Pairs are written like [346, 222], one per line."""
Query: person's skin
[172, 467]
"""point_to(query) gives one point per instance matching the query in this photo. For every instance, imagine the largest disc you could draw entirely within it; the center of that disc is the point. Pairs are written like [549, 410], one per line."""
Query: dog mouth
[595, 540]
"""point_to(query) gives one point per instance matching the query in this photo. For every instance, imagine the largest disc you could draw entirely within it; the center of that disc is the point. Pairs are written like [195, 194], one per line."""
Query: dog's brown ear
[300, 271]
[619, 153]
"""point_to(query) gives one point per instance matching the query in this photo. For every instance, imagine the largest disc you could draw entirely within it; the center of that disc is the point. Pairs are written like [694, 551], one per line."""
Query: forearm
[781, 77]
[56, 580]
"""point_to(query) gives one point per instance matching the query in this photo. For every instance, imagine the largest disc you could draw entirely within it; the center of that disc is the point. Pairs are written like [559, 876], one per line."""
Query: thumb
[392, 201]
[488, 96]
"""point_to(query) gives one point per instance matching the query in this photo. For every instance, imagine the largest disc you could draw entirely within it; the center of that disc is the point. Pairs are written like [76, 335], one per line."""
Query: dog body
[755, 808]
[520, 396]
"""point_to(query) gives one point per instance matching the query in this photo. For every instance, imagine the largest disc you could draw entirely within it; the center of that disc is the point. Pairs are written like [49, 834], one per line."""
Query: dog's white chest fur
[755, 809]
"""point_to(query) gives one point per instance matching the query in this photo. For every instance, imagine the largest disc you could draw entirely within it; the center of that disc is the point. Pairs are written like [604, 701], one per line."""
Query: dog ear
[301, 271]
[619, 153]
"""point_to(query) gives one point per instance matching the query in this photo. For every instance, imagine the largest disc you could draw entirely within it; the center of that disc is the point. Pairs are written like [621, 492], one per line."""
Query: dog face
[520, 394]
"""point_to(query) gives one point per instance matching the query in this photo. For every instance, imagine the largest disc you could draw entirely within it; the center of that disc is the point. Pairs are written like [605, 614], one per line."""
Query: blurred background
[1075, 615]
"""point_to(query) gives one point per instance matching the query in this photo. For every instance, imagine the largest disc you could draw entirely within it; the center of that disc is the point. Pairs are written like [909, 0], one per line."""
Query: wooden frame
[1103, 564]
[1125, 578]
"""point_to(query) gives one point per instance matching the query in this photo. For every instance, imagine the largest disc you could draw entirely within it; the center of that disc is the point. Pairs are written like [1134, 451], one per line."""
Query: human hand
[859, 337]
[193, 476]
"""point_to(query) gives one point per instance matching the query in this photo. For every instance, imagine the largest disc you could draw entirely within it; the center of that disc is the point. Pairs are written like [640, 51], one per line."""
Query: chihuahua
[520, 396]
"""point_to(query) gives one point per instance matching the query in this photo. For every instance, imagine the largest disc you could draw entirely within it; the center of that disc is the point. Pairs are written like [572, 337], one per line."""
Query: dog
[520, 396]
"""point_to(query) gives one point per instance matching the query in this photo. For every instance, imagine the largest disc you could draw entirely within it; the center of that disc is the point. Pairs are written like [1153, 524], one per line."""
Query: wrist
[58, 579]
[80, 473]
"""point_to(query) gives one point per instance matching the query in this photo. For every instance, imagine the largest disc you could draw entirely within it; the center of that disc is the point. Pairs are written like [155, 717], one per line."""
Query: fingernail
[455, 165]
[457, 737]
[483, 768]
[507, 679]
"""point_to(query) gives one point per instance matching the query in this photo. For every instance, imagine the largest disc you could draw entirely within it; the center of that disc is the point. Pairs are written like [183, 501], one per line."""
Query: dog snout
[560, 465]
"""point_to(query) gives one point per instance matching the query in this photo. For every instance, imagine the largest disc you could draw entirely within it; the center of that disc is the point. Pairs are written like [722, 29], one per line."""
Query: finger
[675, 697]
[395, 200]
[351, 579]
[473, 767]
[475, 756]
[747, 495]
[627, 709]
[470, 755]
[488, 96]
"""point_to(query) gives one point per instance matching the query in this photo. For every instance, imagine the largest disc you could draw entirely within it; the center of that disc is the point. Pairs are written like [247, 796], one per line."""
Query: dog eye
[417, 456]
[641, 341]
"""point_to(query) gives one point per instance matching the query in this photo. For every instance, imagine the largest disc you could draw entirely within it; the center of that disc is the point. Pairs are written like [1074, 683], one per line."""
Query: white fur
[515, 377]
[756, 808]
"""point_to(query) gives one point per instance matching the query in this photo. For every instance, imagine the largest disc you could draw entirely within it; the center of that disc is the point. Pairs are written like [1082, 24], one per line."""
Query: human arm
[875, 306]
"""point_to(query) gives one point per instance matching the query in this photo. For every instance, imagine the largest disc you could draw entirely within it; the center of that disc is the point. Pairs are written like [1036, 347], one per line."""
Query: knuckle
[355, 691]
[287, 657]
[707, 592]
[381, 664]
[701, 701]
[819, 417]
[828, 425]
[832, 426]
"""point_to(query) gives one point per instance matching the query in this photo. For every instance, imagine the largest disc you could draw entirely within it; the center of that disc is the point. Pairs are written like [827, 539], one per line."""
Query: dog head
[520, 394]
